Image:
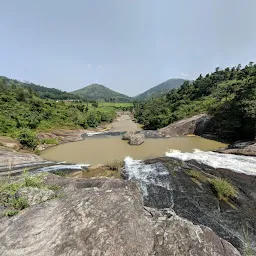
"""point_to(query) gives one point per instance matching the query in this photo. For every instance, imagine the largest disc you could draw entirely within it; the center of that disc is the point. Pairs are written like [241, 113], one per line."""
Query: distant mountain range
[160, 89]
[101, 93]
[42, 91]
[96, 91]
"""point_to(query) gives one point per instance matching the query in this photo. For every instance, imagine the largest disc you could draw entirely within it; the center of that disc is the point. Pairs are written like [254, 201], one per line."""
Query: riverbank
[12, 154]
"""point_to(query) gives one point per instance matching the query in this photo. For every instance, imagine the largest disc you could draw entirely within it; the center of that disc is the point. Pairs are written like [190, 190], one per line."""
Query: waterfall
[153, 180]
[237, 163]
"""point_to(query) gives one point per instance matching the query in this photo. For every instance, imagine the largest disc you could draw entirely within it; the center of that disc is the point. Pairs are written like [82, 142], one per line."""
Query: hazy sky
[127, 45]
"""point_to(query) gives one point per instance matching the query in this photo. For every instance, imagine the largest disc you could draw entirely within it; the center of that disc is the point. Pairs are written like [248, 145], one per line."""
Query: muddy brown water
[101, 150]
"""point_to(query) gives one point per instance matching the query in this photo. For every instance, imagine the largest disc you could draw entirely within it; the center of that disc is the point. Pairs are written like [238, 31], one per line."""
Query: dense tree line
[228, 95]
[23, 113]
[41, 91]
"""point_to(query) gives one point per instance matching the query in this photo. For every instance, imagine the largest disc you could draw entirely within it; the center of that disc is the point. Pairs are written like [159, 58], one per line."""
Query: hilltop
[101, 93]
[160, 89]
[42, 91]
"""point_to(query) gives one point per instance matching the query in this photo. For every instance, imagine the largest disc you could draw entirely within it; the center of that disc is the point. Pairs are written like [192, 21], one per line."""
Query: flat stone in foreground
[103, 217]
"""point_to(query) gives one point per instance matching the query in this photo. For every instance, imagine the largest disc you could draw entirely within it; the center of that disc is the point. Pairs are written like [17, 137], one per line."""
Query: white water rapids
[237, 163]
[157, 175]
[150, 174]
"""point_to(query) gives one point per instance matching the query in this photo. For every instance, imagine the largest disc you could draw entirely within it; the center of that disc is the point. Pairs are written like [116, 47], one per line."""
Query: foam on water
[146, 175]
[237, 163]
[89, 134]
[58, 167]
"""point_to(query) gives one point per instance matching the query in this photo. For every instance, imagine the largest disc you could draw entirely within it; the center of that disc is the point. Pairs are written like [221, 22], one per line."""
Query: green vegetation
[49, 141]
[228, 95]
[115, 165]
[27, 138]
[248, 251]
[101, 93]
[10, 197]
[160, 89]
[41, 91]
[197, 175]
[23, 114]
[223, 188]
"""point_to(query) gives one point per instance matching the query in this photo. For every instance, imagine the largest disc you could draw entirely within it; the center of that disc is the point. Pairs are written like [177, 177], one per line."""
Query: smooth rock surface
[193, 125]
[103, 217]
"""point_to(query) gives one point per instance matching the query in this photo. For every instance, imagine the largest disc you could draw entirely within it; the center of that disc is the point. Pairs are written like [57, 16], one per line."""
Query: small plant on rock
[115, 165]
[197, 175]
[223, 188]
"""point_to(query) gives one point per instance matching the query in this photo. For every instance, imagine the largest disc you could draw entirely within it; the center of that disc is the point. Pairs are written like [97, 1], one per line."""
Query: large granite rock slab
[193, 125]
[104, 217]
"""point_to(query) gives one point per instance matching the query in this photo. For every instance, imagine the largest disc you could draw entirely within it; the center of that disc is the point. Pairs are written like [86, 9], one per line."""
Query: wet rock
[127, 135]
[103, 217]
[166, 184]
[137, 139]
[36, 195]
[194, 125]
[151, 134]
[247, 148]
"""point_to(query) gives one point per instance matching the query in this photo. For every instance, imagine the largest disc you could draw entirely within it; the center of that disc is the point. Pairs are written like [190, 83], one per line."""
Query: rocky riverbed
[107, 217]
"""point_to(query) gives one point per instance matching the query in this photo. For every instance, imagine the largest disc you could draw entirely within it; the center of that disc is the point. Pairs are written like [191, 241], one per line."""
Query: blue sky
[127, 45]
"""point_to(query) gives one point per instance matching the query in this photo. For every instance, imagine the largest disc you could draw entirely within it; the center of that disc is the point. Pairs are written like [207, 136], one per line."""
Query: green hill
[42, 91]
[101, 93]
[23, 114]
[160, 89]
[228, 95]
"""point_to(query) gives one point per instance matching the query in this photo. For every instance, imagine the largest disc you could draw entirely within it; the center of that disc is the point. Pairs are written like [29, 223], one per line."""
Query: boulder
[137, 139]
[247, 148]
[104, 217]
[127, 135]
[198, 124]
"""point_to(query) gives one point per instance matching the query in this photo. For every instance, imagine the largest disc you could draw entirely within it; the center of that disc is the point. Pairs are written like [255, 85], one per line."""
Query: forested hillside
[43, 92]
[229, 95]
[160, 89]
[101, 93]
[23, 113]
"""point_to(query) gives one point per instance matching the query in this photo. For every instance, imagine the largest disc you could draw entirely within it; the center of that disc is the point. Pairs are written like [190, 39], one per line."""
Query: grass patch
[10, 213]
[111, 170]
[115, 165]
[61, 173]
[223, 188]
[197, 175]
[10, 197]
[49, 141]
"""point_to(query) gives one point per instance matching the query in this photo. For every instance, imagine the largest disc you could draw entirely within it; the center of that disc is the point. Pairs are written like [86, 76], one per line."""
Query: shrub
[27, 138]
[10, 197]
[32, 181]
[115, 165]
[10, 213]
[223, 188]
[19, 203]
